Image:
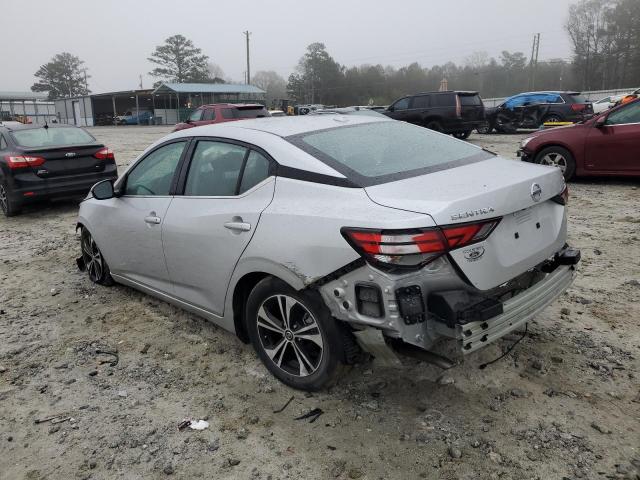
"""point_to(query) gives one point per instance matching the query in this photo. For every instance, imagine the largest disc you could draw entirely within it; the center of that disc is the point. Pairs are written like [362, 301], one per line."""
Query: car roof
[285, 127]
[32, 126]
[234, 105]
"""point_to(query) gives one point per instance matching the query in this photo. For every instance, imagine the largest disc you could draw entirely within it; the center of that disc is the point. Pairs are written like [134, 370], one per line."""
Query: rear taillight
[563, 197]
[23, 161]
[578, 107]
[104, 154]
[458, 107]
[416, 247]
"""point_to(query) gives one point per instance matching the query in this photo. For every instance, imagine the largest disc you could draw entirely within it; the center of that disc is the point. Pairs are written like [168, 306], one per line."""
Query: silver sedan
[316, 238]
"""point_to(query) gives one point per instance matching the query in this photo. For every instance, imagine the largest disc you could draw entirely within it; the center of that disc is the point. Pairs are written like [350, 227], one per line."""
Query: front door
[615, 146]
[206, 230]
[134, 224]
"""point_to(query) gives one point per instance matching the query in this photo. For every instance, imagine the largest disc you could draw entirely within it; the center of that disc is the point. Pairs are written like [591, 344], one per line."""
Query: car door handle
[152, 219]
[240, 226]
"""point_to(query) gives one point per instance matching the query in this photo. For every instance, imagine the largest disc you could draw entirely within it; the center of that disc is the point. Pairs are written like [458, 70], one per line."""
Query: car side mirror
[601, 121]
[103, 190]
[391, 108]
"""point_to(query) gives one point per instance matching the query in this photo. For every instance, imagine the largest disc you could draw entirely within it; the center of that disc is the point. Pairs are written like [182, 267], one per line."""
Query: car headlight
[524, 141]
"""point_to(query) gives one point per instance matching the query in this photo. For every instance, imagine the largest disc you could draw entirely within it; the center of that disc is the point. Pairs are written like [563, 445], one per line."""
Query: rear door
[443, 106]
[226, 188]
[615, 146]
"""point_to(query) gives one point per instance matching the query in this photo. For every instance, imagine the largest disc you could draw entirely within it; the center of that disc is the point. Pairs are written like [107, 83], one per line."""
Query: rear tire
[485, 128]
[294, 335]
[9, 208]
[434, 125]
[558, 157]
[95, 264]
[462, 135]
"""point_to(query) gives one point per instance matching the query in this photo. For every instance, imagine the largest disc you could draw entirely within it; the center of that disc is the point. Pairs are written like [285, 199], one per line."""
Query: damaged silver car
[315, 237]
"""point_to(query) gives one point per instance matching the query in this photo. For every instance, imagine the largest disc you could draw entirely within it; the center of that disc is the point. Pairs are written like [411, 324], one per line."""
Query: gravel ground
[564, 405]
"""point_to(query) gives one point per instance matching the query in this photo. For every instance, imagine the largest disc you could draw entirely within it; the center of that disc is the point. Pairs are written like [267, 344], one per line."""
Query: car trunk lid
[63, 161]
[532, 226]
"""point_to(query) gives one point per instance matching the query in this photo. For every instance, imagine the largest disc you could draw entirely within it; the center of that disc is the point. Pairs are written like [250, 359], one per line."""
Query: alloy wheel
[4, 201]
[555, 159]
[92, 257]
[290, 335]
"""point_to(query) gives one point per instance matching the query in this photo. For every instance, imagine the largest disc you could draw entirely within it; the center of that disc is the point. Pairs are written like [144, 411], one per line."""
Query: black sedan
[41, 162]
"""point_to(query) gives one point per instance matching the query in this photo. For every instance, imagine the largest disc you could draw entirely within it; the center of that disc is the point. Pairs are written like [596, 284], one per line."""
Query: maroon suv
[607, 144]
[222, 112]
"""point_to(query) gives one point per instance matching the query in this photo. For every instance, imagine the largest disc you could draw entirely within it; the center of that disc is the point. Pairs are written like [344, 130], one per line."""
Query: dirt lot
[564, 404]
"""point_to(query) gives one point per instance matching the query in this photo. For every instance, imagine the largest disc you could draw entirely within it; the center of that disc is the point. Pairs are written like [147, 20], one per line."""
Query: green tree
[179, 61]
[318, 77]
[63, 76]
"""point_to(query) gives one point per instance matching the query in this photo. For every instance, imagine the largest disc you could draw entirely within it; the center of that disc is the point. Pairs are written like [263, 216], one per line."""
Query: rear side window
[51, 137]
[215, 169]
[252, 112]
[255, 171]
[470, 100]
[209, 114]
[228, 113]
[443, 100]
[420, 102]
[3, 143]
[385, 151]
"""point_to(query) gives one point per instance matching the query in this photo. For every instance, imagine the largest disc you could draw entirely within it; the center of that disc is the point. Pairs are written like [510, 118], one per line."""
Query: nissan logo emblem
[536, 192]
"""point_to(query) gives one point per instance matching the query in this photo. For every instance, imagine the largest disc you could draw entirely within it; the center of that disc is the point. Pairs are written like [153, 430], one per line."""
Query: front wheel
[462, 135]
[558, 157]
[294, 335]
[94, 262]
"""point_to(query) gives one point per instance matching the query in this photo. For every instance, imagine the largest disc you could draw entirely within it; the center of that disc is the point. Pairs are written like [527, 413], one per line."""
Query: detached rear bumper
[516, 312]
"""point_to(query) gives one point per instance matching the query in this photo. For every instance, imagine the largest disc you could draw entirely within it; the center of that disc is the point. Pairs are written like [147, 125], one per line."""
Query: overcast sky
[115, 37]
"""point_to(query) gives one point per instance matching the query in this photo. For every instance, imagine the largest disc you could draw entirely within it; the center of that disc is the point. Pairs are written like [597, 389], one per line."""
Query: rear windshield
[51, 137]
[379, 152]
[252, 112]
[470, 100]
[578, 98]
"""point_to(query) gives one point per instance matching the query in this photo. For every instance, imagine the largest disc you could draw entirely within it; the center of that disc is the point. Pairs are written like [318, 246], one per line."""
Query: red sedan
[607, 144]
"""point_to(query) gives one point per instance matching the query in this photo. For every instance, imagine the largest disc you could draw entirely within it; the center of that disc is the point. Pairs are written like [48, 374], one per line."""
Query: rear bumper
[516, 312]
[406, 308]
[28, 187]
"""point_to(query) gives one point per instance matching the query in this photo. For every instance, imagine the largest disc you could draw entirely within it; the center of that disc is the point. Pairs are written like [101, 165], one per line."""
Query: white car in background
[606, 103]
[303, 234]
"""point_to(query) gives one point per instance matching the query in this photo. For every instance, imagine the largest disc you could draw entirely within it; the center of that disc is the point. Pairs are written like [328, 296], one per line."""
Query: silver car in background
[318, 237]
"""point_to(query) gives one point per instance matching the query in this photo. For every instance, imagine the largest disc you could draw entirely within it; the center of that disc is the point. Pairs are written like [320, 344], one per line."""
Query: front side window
[421, 101]
[153, 175]
[401, 104]
[215, 169]
[378, 152]
[3, 144]
[628, 114]
[209, 114]
[514, 102]
[196, 115]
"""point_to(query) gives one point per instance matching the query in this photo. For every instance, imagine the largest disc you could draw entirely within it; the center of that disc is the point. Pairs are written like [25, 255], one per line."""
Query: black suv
[532, 109]
[457, 113]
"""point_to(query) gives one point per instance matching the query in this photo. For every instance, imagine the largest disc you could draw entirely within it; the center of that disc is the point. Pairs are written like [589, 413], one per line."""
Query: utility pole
[247, 34]
[533, 62]
[141, 82]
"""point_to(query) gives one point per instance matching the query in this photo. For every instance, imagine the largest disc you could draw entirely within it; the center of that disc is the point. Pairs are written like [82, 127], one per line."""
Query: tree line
[605, 35]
